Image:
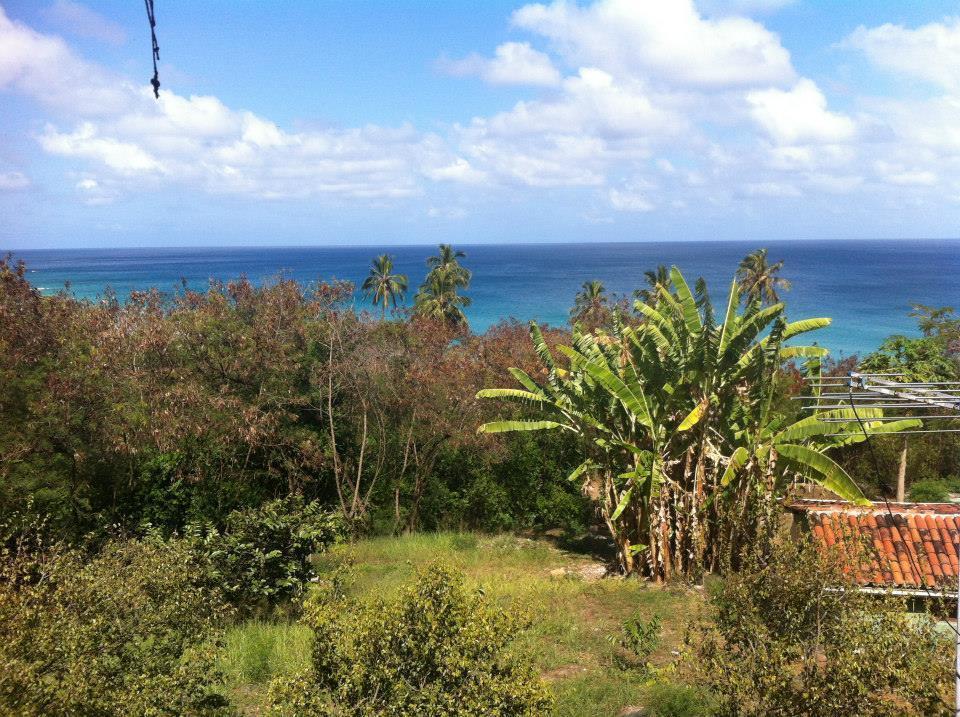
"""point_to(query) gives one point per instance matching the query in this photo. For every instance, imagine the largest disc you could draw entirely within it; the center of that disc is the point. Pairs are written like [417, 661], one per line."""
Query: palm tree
[591, 306]
[446, 263]
[438, 297]
[383, 285]
[655, 279]
[759, 280]
[437, 300]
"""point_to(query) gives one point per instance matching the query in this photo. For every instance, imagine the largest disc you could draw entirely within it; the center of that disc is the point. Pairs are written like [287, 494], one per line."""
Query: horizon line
[203, 247]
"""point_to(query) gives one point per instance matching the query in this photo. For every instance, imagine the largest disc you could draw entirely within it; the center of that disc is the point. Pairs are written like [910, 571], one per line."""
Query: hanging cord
[893, 520]
[156, 48]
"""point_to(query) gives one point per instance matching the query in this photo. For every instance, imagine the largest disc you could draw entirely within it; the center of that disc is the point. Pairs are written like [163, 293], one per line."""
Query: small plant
[435, 648]
[639, 641]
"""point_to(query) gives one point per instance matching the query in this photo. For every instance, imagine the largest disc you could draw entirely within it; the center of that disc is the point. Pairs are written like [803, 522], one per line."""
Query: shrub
[639, 640]
[132, 630]
[791, 634]
[435, 648]
[262, 556]
[930, 491]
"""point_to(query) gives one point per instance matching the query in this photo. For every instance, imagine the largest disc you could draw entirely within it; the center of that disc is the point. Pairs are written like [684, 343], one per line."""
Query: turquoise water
[865, 286]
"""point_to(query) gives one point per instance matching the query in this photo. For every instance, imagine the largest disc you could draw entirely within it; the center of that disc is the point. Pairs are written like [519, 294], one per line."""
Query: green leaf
[825, 471]
[795, 328]
[730, 317]
[803, 352]
[737, 461]
[580, 470]
[612, 383]
[694, 416]
[510, 426]
[624, 502]
[511, 393]
[691, 315]
[524, 380]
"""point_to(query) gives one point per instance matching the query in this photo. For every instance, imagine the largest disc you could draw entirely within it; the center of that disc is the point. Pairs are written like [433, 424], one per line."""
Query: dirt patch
[563, 673]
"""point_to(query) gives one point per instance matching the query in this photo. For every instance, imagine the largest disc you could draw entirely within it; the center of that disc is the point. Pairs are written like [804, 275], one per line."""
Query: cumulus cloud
[573, 137]
[664, 41]
[632, 198]
[44, 67]
[513, 63]
[930, 53]
[799, 115]
[709, 105]
[121, 130]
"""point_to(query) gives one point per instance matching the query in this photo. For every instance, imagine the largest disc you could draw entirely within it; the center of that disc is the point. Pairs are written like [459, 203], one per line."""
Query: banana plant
[674, 418]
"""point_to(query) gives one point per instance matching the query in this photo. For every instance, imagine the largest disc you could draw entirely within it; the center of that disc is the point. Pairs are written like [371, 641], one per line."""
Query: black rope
[156, 48]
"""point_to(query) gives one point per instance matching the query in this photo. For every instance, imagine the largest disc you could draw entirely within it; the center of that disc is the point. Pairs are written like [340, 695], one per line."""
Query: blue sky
[419, 122]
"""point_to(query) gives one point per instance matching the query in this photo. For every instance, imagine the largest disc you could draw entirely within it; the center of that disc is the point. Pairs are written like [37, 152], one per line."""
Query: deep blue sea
[867, 287]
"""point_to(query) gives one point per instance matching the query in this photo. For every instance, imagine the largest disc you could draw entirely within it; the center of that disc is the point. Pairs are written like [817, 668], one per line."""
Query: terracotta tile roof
[929, 532]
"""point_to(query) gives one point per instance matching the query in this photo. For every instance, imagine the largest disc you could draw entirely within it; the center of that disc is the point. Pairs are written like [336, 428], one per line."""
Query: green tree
[681, 449]
[383, 285]
[650, 294]
[439, 297]
[759, 280]
[591, 306]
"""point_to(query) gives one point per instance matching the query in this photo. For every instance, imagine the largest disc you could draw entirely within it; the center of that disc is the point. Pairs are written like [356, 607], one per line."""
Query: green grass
[256, 651]
[576, 616]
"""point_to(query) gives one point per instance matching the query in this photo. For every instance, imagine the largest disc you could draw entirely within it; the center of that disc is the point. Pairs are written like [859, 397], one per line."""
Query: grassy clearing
[575, 614]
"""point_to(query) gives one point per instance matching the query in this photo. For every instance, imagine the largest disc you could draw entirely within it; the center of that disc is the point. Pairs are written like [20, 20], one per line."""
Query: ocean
[866, 287]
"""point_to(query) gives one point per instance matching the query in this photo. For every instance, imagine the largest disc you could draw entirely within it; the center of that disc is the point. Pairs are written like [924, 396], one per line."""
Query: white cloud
[633, 197]
[771, 189]
[571, 138]
[80, 20]
[799, 115]
[514, 63]
[662, 41]
[930, 53]
[44, 67]
[12, 181]
[119, 128]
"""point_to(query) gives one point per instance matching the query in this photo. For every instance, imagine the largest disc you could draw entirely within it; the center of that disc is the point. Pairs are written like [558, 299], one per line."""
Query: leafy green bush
[262, 556]
[791, 634]
[639, 640]
[132, 630]
[435, 648]
[930, 491]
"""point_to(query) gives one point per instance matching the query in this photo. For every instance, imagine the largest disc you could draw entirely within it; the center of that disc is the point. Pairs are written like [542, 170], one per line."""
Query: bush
[930, 491]
[132, 630]
[436, 648]
[262, 556]
[639, 640]
[792, 634]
